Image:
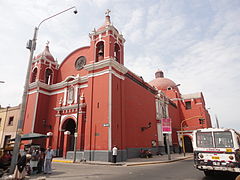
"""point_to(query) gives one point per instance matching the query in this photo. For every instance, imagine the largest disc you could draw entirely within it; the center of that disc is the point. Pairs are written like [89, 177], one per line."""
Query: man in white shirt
[48, 160]
[114, 154]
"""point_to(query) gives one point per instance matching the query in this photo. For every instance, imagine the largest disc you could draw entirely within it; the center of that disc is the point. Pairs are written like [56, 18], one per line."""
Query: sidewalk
[134, 161]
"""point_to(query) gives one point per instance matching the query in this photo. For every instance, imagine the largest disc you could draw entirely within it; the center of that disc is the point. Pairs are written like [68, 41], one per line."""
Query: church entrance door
[69, 125]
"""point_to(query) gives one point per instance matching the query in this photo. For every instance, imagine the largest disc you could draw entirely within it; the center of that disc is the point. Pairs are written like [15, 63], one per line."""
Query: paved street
[180, 170]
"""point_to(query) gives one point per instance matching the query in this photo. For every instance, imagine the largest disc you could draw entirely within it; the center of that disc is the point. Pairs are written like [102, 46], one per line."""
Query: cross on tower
[47, 43]
[107, 12]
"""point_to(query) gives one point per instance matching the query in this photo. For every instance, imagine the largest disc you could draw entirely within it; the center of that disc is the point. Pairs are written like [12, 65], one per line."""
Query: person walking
[49, 154]
[114, 154]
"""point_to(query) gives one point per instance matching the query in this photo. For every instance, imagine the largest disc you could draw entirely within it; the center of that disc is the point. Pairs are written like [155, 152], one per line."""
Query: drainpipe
[91, 119]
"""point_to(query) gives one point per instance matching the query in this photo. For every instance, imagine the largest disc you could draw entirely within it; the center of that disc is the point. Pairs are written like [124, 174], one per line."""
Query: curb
[124, 164]
[105, 164]
[157, 162]
[62, 161]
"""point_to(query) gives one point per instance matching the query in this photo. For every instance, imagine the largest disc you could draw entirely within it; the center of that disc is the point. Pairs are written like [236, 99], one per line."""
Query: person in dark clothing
[41, 162]
[20, 171]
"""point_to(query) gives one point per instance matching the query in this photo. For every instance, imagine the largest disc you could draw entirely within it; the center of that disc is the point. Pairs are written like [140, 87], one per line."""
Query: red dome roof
[46, 53]
[162, 83]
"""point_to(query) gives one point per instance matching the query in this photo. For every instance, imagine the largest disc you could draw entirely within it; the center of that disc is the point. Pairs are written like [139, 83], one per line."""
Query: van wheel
[208, 173]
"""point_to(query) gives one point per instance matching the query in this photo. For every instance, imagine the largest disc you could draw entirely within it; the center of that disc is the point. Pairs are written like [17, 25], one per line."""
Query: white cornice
[106, 71]
[106, 63]
[45, 92]
[176, 99]
[69, 107]
[54, 92]
[111, 28]
[100, 38]
[58, 85]
[45, 59]
[110, 63]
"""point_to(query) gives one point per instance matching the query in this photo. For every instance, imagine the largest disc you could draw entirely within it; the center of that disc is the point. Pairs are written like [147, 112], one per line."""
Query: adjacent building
[9, 117]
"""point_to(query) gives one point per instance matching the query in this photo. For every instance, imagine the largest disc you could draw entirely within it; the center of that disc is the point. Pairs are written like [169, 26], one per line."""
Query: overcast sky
[195, 42]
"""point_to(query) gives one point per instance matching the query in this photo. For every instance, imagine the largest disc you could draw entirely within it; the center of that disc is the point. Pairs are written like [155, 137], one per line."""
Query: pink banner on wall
[166, 125]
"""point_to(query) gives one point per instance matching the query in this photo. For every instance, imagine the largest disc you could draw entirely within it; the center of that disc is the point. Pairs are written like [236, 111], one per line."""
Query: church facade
[92, 102]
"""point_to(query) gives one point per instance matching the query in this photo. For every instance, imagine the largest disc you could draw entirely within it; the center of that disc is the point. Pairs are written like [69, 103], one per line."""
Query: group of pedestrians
[34, 161]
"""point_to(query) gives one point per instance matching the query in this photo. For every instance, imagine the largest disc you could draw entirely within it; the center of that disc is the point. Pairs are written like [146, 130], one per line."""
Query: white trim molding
[107, 63]
[110, 111]
[107, 29]
[106, 71]
[55, 92]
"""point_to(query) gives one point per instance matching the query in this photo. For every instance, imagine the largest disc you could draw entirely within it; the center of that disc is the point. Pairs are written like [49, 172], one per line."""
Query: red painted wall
[175, 116]
[139, 111]
[96, 136]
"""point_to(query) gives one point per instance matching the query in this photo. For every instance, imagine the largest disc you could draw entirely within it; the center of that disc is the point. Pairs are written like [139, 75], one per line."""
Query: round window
[80, 62]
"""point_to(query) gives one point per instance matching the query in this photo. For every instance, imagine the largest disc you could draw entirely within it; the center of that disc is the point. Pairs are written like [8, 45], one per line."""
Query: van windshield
[204, 139]
[223, 139]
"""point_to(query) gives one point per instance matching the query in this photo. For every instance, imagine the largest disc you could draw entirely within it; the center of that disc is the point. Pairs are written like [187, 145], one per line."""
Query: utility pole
[23, 106]
[168, 147]
[167, 135]
[31, 46]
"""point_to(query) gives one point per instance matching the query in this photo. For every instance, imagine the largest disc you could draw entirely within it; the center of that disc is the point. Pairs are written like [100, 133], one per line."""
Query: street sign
[106, 125]
[166, 125]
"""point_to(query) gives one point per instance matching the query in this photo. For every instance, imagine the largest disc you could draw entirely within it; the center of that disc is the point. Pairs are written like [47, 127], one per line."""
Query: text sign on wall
[166, 125]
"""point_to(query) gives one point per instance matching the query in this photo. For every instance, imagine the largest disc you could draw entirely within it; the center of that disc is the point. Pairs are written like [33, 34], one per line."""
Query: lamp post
[183, 145]
[31, 45]
[2, 82]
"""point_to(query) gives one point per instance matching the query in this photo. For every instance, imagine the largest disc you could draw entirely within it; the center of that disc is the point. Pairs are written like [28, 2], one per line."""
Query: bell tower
[107, 42]
[44, 67]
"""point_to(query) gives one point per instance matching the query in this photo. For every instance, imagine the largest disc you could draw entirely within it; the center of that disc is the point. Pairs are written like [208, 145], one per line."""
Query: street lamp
[2, 82]
[31, 45]
[183, 145]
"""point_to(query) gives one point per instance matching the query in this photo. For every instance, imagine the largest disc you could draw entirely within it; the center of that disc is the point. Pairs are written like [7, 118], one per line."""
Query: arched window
[117, 52]
[34, 75]
[100, 51]
[48, 76]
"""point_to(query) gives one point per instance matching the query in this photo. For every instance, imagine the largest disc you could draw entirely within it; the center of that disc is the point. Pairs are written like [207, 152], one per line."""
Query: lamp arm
[55, 15]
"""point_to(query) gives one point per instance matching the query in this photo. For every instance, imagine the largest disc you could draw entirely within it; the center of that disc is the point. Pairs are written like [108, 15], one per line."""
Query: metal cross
[107, 12]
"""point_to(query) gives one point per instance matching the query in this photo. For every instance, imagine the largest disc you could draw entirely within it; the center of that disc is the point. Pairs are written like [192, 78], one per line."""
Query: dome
[162, 83]
[46, 53]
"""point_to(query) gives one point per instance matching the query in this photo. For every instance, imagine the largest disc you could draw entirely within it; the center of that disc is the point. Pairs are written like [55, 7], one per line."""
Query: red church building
[92, 99]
